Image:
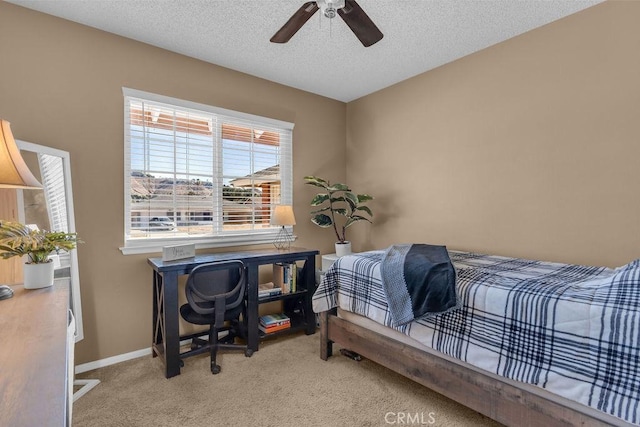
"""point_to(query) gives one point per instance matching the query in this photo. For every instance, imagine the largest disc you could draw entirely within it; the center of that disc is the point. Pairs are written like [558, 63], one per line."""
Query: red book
[272, 329]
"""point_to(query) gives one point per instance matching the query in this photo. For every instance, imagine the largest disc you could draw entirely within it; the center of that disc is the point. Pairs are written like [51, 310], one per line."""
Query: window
[52, 175]
[200, 174]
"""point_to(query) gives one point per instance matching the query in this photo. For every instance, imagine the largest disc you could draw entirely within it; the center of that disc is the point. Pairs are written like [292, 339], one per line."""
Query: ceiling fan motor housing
[330, 8]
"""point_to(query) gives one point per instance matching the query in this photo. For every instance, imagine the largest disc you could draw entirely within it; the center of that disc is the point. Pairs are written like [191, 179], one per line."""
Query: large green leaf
[340, 211]
[314, 180]
[337, 199]
[13, 229]
[326, 208]
[354, 219]
[338, 187]
[319, 199]
[351, 198]
[364, 198]
[366, 209]
[317, 184]
[322, 220]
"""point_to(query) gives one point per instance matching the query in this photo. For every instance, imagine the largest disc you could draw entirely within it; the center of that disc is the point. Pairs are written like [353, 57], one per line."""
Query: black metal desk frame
[166, 334]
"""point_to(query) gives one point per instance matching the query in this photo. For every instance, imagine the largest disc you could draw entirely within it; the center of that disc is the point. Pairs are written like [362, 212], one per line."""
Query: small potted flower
[338, 207]
[18, 240]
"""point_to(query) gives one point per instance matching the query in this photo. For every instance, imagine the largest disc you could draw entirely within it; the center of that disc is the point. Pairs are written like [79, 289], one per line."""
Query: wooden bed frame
[498, 400]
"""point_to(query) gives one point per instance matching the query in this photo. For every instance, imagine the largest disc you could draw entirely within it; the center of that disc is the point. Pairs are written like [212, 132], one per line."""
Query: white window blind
[52, 171]
[201, 174]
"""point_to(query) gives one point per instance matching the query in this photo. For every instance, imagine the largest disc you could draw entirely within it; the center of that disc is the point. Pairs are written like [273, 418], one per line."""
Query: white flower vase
[343, 249]
[38, 276]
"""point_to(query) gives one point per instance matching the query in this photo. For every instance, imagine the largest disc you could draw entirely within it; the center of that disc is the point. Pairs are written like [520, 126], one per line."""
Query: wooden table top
[33, 361]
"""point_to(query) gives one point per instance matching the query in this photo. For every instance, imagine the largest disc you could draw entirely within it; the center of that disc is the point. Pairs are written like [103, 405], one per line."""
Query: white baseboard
[90, 366]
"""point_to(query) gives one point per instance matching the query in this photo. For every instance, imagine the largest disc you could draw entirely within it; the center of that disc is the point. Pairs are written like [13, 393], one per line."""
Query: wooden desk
[166, 335]
[33, 356]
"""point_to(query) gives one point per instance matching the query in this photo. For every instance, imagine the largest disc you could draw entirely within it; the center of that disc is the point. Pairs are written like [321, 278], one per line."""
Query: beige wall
[61, 86]
[528, 148]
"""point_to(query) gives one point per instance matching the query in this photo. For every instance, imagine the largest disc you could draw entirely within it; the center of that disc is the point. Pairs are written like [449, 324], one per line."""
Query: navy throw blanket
[418, 280]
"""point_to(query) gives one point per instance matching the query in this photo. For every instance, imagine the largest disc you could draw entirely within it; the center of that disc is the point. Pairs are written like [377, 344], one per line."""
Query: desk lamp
[283, 215]
[14, 173]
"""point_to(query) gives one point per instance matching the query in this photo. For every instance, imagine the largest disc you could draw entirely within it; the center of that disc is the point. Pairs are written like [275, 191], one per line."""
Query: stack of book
[270, 323]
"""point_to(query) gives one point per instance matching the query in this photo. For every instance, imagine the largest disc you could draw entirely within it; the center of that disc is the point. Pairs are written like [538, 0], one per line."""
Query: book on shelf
[269, 292]
[275, 328]
[285, 276]
[274, 320]
[293, 277]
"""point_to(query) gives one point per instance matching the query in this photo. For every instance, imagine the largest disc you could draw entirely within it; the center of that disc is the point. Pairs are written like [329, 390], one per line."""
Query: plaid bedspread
[572, 330]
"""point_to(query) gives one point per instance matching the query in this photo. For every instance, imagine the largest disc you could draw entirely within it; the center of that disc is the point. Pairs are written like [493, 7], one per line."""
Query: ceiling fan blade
[360, 23]
[296, 22]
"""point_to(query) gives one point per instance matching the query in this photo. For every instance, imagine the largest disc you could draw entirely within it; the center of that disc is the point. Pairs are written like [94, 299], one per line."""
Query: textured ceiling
[324, 57]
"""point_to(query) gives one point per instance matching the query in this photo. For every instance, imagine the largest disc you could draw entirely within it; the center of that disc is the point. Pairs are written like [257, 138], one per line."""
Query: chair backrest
[216, 280]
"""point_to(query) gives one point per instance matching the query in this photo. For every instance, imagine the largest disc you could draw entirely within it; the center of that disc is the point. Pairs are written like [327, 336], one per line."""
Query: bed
[530, 343]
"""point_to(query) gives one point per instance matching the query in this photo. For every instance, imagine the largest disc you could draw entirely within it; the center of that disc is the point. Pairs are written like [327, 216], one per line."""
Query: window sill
[148, 246]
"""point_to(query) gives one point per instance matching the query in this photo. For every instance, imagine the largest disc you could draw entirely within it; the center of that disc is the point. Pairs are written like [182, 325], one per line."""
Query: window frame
[155, 244]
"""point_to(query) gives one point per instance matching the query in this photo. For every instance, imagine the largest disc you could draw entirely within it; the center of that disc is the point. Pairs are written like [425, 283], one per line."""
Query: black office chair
[216, 297]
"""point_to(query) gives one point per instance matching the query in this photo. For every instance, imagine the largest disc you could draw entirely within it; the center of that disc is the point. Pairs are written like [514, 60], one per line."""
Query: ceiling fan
[350, 12]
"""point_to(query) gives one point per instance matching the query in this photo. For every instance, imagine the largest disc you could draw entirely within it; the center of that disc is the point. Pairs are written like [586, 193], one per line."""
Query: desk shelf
[289, 273]
[298, 323]
[280, 297]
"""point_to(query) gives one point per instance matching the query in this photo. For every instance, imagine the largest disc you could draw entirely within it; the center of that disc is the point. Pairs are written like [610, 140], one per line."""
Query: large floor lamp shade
[14, 172]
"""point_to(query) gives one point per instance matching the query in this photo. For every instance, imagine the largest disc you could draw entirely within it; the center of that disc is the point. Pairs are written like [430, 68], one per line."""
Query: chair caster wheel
[182, 363]
[248, 352]
[215, 369]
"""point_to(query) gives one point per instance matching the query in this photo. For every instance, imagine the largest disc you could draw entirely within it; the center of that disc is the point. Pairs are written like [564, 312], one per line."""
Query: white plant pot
[343, 249]
[38, 276]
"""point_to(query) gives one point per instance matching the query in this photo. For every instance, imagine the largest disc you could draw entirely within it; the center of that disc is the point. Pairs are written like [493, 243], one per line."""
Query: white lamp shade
[283, 215]
[14, 172]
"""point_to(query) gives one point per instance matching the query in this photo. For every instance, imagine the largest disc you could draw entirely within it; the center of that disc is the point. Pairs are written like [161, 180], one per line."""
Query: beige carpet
[284, 384]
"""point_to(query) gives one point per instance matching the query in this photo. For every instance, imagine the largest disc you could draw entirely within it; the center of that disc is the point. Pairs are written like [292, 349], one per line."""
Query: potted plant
[18, 240]
[335, 202]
